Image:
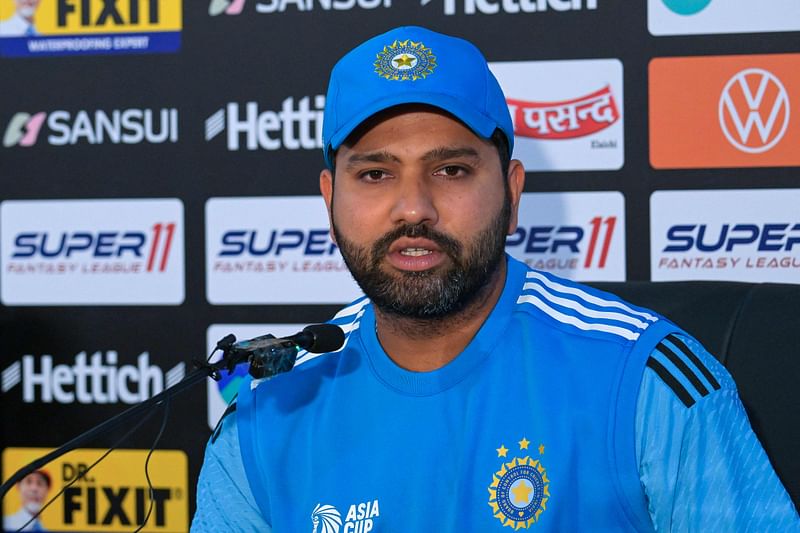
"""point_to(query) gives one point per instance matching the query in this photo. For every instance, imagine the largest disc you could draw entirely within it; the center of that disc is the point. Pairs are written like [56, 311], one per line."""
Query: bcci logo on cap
[404, 61]
[754, 98]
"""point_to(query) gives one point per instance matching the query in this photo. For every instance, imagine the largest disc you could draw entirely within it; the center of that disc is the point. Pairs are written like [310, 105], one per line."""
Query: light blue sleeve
[702, 467]
[224, 499]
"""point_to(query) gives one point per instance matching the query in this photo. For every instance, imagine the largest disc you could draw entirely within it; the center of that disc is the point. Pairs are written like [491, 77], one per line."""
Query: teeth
[415, 252]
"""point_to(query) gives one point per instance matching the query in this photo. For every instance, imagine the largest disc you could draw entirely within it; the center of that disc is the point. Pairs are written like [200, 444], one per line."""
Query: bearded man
[473, 393]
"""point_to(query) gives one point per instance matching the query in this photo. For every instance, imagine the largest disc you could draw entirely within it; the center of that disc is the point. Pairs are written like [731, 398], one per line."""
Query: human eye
[452, 171]
[374, 175]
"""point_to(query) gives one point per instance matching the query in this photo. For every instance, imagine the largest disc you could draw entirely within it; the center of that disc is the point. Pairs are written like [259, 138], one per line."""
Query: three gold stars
[524, 444]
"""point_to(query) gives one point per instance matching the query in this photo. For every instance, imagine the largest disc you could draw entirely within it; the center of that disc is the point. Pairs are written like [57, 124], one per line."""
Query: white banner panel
[688, 17]
[92, 252]
[577, 235]
[568, 115]
[221, 393]
[735, 235]
[273, 250]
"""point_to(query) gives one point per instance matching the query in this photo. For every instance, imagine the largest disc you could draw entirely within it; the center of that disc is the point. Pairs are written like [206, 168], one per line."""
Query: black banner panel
[159, 189]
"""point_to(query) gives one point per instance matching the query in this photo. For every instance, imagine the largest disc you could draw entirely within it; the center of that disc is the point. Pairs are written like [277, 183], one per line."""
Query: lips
[415, 254]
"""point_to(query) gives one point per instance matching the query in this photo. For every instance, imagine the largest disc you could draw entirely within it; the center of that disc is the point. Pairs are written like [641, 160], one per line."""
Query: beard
[439, 292]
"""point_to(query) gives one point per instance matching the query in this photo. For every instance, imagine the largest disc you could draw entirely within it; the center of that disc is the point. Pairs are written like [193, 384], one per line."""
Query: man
[473, 394]
[20, 24]
[33, 490]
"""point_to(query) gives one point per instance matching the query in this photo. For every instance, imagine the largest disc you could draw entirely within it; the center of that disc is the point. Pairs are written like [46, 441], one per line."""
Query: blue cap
[413, 65]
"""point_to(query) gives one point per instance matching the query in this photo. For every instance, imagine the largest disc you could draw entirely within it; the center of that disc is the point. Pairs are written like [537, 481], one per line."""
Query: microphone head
[322, 338]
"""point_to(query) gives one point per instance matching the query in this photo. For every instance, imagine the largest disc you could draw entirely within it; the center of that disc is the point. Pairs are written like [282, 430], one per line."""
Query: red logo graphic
[567, 119]
[597, 223]
[156, 247]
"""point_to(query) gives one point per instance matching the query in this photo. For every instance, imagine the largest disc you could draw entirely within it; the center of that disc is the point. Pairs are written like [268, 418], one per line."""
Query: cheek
[354, 218]
[469, 213]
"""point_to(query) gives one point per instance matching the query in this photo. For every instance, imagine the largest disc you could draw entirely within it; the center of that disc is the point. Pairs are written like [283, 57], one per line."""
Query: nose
[414, 202]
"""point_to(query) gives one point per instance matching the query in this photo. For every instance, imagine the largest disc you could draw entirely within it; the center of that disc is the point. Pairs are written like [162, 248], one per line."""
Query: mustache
[449, 245]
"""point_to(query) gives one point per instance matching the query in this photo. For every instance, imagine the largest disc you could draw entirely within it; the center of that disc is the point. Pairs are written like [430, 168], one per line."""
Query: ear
[326, 188]
[516, 182]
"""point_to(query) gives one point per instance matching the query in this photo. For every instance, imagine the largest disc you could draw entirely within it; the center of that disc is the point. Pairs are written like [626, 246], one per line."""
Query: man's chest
[481, 461]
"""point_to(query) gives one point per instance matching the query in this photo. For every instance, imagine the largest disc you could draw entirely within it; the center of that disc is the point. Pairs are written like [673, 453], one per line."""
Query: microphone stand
[264, 362]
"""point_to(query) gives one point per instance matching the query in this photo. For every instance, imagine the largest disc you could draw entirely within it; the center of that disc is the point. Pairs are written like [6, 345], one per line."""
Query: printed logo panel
[297, 125]
[580, 235]
[273, 251]
[30, 28]
[92, 252]
[687, 17]
[360, 517]
[736, 235]
[112, 496]
[97, 378]
[119, 126]
[220, 393]
[725, 111]
[235, 7]
[568, 115]
[493, 7]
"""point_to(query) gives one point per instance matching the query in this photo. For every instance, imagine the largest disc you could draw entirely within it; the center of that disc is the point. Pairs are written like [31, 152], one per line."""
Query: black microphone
[316, 338]
[269, 356]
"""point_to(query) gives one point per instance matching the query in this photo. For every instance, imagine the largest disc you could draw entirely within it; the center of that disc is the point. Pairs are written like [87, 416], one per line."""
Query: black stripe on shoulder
[694, 359]
[671, 382]
[231, 408]
[684, 368]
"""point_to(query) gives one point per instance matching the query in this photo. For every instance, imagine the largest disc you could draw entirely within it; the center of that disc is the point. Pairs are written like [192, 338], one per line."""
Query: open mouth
[415, 252]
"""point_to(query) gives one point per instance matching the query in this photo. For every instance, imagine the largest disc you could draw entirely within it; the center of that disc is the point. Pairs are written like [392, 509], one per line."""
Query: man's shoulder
[575, 308]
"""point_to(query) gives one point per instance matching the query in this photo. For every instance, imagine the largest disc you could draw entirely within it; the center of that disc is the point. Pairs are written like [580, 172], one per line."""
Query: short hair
[500, 142]
[44, 475]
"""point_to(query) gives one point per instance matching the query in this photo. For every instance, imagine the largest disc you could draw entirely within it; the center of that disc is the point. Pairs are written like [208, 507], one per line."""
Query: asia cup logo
[326, 519]
[520, 489]
[404, 61]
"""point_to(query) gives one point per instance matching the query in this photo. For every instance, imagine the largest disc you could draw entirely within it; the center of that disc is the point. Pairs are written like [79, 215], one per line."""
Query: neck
[423, 345]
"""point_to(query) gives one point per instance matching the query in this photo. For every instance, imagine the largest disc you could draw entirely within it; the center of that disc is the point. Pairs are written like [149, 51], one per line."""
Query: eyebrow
[381, 156]
[442, 153]
[437, 154]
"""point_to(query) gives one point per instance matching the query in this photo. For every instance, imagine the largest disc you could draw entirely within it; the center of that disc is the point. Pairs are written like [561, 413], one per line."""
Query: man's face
[27, 8]
[420, 211]
[33, 490]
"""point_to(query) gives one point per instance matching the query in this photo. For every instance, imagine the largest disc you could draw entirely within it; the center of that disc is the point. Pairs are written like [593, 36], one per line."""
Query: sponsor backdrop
[159, 168]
